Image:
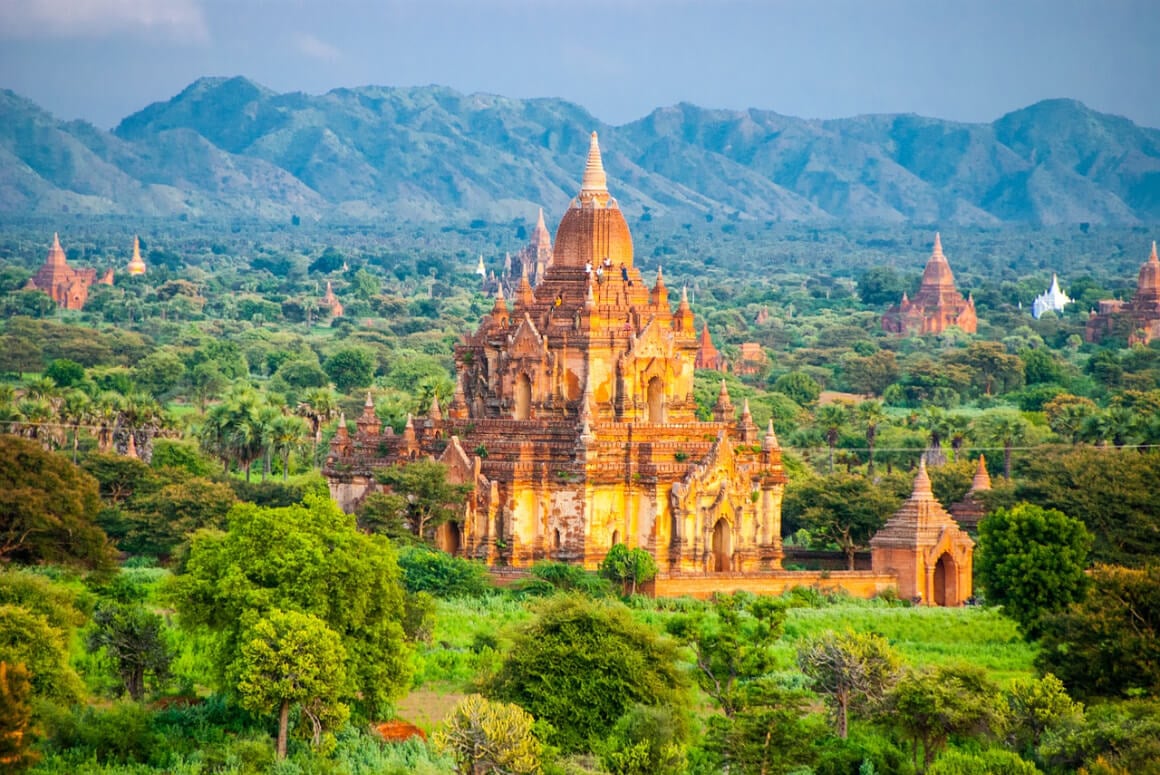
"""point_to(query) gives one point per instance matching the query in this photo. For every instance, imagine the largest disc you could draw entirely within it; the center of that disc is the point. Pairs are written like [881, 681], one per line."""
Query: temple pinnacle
[594, 180]
[922, 489]
[937, 244]
[1153, 258]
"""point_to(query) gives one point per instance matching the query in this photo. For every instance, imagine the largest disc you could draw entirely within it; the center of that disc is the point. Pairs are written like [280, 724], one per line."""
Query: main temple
[937, 306]
[574, 421]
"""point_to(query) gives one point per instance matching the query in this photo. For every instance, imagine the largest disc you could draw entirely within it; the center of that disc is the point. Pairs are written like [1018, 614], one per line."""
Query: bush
[993, 761]
[442, 575]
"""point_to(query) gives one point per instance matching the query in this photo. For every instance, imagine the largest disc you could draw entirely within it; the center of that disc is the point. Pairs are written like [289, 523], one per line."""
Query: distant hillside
[228, 146]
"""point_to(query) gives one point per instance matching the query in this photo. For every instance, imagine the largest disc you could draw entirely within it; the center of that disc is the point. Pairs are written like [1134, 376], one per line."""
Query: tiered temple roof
[136, 263]
[926, 548]
[969, 512]
[936, 306]
[68, 287]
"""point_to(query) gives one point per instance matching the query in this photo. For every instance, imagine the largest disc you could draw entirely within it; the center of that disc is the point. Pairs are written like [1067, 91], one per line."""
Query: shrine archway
[449, 538]
[722, 546]
[523, 397]
[656, 400]
[946, 577]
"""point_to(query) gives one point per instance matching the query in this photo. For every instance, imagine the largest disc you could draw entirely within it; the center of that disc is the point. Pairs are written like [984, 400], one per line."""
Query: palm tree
[106, 411]
[830, 418]
[939, 425]
[871, 415]
[263, 423]
[1005, 427]
[286, 434]
[318, 407]
[36, 414]
[75, 410]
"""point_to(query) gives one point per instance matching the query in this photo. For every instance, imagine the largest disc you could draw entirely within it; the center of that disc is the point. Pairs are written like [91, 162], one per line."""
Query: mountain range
[229, 146]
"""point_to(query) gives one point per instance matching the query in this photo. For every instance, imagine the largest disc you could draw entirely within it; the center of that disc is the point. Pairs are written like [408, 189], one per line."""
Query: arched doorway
[945, 589]
[523, 397]
[656, 400]
[615, 538]
[722, 546]
[449, 538]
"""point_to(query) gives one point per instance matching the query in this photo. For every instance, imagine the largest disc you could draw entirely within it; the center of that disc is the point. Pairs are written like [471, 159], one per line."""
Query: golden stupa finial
[937, 244]
[594, 184]
[136, 263]
[1153, 258]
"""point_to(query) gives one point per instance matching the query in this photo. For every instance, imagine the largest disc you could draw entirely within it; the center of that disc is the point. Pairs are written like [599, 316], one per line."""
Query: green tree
[309, 558]
[646, 741]
[1108, 644]
[929, 706]
[290, 658]
[48, 508]
[871, 416]
[1031, 561]
[628, 567]
[28, 638]
[799, 386]
[156, 523]
[581, 664]
[872, 373]
[992, 369]
[65, 373]
[850, 669]
[1004, 427]
[423, 498]
[880, 286]
[1036, 705]
[732, 644]
[830, 419]
[350, 368]
[134, 639]
[1112, 492]
[993, 761]
[843, 509]
[490, 737]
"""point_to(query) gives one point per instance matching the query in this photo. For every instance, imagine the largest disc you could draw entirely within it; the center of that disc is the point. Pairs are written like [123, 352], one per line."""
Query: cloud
[37, 19]
[315, 48]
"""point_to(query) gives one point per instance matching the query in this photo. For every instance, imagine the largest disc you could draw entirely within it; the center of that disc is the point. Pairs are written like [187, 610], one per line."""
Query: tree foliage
[929, 706]
[48, 508]
[628, 567]
[420, 499]
[732, 644]
[581, 664]
[849, 669]
[16, 730]
[290, 658]
[1031, 561]
[134, 639]
[308, 558]
[1108, 644]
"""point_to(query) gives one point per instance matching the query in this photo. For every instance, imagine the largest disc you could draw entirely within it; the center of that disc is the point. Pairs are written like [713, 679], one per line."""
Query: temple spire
[136, 263]
[769, 443]
[1154, 258]
[937, 244]
[982, 480]
[594, 184]
[922, 490]
[435, 412]
[56, 252]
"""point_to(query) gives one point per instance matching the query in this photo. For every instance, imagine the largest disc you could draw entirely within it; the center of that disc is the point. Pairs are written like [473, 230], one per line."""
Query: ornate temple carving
[574, 421]
[936, 306]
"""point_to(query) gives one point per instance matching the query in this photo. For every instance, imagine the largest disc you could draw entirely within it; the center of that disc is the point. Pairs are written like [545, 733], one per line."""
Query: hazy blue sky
[971, 60]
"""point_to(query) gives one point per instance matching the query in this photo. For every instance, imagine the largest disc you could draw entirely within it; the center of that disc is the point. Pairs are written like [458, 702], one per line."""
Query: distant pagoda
[136, 263]
[68, 287]
[937, 306]
[1051, 300]
[1138, 319]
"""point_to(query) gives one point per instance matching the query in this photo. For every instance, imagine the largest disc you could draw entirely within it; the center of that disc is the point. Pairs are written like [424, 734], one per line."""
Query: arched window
[656, 400]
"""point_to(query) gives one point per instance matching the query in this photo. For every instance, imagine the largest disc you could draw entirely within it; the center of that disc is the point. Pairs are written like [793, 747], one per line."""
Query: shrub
[441, 575]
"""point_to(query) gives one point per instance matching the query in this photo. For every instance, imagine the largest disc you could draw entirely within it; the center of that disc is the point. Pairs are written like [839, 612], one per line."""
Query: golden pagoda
[136, 263]
[574, 421]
